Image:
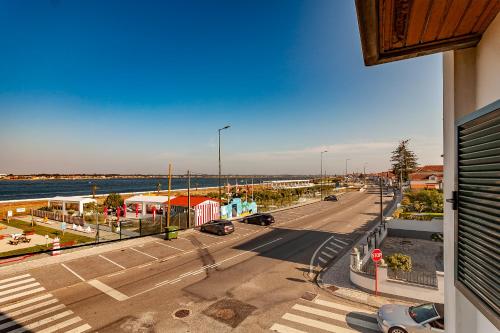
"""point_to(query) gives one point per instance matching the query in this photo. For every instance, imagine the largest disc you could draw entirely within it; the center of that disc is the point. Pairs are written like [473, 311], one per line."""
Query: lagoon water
[32, 189]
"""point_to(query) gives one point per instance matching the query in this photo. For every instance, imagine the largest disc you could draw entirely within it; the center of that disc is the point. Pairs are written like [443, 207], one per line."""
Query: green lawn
[43, 230]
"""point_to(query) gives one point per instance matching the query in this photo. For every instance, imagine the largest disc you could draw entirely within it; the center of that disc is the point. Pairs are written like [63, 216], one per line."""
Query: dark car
[218, 227]
[262, 219]
[331, 198]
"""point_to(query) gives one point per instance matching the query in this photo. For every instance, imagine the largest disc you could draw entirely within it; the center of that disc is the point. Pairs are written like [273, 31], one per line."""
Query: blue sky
[129, 86]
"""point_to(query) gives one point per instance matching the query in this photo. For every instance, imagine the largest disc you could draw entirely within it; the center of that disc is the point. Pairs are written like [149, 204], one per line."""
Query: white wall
[471, 80]
[435, 225]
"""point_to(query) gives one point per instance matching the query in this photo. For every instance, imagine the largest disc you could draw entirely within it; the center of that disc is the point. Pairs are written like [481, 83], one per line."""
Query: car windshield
[422, 312]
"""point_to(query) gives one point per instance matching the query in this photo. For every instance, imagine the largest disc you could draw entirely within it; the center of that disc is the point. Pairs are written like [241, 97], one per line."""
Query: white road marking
[316, 324]
[322, 260]
[117, 273]
[19, 295]
[342, 242]
[144, 253]
[172, 247]
[285, 329]
[111, 261]
[108, 290]
[72, 271]
[42, 322]
[316, 252]
[28, 309]
[31, 316]
[336, 316]
[8, 285]
[344, 307]
[331, 250]
[63, 324]
[336, 245]
[202, 269]
[13, 290]
[23, 303]
[14, 278]
[80, 329]
[144, 265]
[326, 254]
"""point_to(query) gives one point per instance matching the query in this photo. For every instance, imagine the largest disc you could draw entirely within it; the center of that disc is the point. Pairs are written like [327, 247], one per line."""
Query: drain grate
[308, 296]
[333, 288]
[182, 313]
[229, 311]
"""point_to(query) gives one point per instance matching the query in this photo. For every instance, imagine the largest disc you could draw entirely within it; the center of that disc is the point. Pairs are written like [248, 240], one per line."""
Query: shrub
[399, 262]
[113, 200]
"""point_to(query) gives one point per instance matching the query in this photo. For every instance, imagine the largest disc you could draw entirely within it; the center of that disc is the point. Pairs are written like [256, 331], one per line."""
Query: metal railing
[422, 278]
[58, 216]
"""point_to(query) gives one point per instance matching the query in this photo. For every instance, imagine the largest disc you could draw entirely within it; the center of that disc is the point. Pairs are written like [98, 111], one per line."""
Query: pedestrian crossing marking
[8, 285]
[342, 242]
[317, 324]
[336, 245]
[342, 319]
[326, 254]
[80, 329]
[285, 329]
[330, 249]
[24, 309]
[322, 260]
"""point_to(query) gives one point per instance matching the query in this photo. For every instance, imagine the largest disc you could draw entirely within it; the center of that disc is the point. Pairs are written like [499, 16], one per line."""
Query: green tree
[403, 160]
[399, 262]
[113, 200]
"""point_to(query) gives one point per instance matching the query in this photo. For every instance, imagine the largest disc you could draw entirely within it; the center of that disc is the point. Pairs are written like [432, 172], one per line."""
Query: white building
[468, 32]
[145, 205]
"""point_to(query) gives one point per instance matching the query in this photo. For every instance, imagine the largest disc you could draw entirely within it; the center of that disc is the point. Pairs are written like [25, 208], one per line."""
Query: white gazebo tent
[145, 201]
[71, 200]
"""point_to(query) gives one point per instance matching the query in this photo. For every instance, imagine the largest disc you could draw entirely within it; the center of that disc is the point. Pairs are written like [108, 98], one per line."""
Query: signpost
[376, 256]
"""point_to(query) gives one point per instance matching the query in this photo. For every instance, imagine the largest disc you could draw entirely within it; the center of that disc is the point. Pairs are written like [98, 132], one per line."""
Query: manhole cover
[182, 313]
[308, 296]
[229, 311]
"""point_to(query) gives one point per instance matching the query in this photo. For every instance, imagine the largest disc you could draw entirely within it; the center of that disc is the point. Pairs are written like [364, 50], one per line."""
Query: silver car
[395, 318]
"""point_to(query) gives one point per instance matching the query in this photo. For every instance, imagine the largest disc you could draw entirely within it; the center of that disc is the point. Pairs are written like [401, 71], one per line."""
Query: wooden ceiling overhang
[399, 29]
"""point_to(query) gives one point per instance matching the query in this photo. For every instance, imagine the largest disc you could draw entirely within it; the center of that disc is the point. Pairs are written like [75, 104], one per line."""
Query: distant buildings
[428, 177]
[3, 175]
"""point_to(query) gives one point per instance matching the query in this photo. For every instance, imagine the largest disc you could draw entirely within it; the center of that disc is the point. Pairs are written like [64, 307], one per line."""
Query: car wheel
[202, 229]
[397, 330]
[262, 223]
[220, 233]
[245, 221]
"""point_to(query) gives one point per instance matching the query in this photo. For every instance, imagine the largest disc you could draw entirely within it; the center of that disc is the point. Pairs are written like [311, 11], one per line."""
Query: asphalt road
[250, 281]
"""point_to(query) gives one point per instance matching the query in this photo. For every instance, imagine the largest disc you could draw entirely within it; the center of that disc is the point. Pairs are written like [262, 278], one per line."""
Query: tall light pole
[364, 171]
[321, 176]
[220, 195]
[347, 159]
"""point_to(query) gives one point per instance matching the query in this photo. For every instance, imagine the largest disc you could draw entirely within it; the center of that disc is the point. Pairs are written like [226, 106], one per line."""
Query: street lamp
[347, 159]
[220, 195]
[364, 171]
[321, 175]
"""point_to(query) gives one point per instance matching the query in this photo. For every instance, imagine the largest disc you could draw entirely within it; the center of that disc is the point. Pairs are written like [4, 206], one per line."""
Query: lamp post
[364, 171]
[321, 175]
[220, 195]
[347, 159]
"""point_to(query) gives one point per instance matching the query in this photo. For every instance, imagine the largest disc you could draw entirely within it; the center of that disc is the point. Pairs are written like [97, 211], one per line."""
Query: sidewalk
[335, 278]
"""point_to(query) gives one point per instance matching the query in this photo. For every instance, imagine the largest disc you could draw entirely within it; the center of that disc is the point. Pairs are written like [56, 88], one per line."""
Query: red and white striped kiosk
[205, 208]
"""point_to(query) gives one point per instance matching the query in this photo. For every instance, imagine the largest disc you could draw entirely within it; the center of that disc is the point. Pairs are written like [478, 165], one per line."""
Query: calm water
[31, 189]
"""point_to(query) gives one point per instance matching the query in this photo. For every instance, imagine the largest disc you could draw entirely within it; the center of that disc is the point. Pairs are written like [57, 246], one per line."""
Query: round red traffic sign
[376, 255]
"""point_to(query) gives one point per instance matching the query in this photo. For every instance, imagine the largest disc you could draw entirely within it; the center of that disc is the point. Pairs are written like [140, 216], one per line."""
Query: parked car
[218, 227]
[331, 198]
[396, 318]
[259, 218]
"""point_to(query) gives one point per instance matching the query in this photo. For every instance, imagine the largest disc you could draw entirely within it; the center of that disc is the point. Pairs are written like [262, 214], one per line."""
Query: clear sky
[129, 86]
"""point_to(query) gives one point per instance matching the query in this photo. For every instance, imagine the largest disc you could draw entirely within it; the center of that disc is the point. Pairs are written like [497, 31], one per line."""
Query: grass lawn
[43, 230]
[27, 250]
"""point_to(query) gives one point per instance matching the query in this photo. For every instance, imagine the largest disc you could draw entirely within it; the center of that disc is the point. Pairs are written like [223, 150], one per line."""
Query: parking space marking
[146, 254]
[170, 246]
[205, 234]
[108, 290]
[111, 261]
[72, 271]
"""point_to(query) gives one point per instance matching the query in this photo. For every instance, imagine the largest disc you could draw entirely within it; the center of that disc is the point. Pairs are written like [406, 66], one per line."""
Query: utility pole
[321, 175]
[220, 194]
[169, 188]
[381, 205]
[189, 200]
[347, 159]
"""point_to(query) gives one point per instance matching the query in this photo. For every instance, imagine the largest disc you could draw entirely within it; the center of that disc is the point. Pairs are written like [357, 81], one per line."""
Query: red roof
[430, 168]
[423, 176]
[183, 201]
